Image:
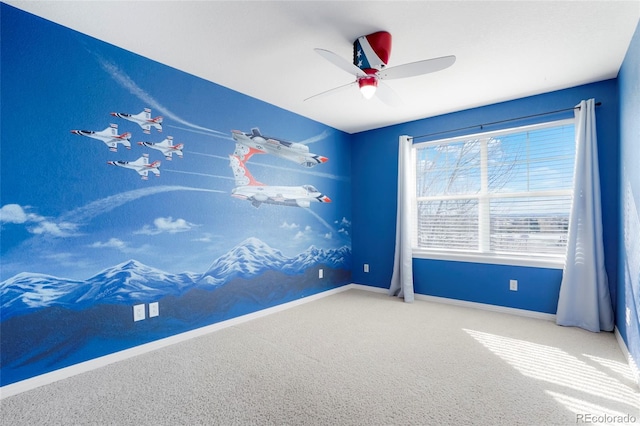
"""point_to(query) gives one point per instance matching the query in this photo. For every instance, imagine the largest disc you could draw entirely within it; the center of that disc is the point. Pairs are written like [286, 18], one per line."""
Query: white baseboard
[467, 304]
[488, 307]
[368, 288]
[83, 367]
[635, 371]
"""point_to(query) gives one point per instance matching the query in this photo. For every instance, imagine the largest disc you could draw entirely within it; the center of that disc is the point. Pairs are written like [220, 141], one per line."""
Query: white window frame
[483, 255]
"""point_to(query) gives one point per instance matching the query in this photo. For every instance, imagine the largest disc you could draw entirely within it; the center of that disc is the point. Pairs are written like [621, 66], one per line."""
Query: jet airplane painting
[259, 144]
[247, 188]
[141, 165]
[109, 136]
[143, 119]
[166, 147]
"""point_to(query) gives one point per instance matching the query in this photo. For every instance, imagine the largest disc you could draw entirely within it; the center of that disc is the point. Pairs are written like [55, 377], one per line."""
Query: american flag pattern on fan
[372, 51]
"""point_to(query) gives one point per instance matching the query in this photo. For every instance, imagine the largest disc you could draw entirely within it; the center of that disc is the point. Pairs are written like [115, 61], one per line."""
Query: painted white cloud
[169, 225]
[205, 238]
[68, 223]
[62, 229]
[166, 224]
[303, 234]
[114, 243]
[343, 222]
[286, 225]
[12, 213]
[344, 226]
[118, 244]
[35, 224]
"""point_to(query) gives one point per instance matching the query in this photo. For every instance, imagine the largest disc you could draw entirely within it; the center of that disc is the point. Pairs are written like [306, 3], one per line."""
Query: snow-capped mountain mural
[249, 277]
[146, 197]
[254, 257]
[132, 282]
[127, 283]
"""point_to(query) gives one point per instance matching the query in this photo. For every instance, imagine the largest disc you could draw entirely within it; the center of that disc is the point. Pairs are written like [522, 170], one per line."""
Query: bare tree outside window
[506, 193]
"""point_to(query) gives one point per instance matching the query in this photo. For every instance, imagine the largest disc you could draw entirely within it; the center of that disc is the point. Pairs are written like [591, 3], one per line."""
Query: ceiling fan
[370, 56]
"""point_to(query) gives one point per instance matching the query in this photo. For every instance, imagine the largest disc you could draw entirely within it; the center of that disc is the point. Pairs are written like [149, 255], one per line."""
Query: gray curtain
[402, 277]
[584, 299]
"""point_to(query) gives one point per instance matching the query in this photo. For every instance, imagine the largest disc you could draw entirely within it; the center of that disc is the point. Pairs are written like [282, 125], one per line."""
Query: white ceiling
[505, 49]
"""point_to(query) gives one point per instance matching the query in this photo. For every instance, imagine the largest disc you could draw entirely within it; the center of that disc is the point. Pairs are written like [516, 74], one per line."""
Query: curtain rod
[501, 121]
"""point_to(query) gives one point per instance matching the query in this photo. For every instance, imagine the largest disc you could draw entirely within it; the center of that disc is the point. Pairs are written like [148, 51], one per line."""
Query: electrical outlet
[138, 312]
[513, 285]
[366, 267]
[320, 273]
[154, 309]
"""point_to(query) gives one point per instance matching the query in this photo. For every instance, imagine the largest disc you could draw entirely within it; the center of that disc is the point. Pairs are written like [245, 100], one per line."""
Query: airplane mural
[247, 188]
[141, 165]
[292, 151]
[166, 147]
[143, 119]
[109, 136]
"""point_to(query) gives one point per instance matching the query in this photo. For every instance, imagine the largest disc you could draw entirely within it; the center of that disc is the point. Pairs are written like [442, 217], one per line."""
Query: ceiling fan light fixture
[368, 86]
[370, 56]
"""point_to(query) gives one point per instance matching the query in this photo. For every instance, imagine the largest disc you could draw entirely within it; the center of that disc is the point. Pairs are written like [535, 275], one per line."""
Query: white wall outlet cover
[154, 309]
[138, 312]
[513, 285]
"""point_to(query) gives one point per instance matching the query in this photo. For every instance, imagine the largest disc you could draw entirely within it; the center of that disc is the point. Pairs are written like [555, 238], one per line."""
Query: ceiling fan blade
[417, 68]
[331, 91]
[340, 62]
[387, 95]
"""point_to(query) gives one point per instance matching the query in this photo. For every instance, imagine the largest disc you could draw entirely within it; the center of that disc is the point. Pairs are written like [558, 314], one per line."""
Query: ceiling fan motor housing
[372, 51]
[371, 80]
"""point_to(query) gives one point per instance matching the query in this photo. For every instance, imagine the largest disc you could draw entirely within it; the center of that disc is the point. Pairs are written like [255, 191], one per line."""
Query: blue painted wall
[628, 297]
[484, 283]
[82, 241]
[374, 181]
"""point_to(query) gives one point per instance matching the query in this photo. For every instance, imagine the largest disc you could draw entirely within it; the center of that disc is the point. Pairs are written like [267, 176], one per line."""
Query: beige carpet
[355, 358]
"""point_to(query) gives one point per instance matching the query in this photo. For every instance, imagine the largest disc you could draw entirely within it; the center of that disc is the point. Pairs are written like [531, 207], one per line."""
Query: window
[501, 195]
